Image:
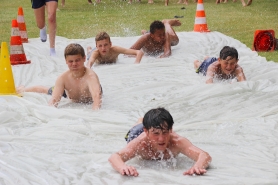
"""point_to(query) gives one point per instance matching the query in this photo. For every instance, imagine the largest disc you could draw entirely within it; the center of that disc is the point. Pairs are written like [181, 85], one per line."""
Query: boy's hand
[129, 171]
[195, 170]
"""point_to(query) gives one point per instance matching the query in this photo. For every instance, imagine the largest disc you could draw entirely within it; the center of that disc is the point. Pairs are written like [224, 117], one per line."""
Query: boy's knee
[52, 18]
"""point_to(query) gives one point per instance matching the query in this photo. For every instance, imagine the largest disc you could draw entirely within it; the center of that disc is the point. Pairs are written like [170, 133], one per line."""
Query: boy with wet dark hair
[160, 38]
[225, 67]
[105, 53]
[156, 25]
[155, 140]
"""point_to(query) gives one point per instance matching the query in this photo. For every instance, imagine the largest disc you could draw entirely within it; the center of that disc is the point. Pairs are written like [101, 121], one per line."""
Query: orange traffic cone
[200, 19]
[7, 86]
[264, 40]
[17, 55]
[22, 25]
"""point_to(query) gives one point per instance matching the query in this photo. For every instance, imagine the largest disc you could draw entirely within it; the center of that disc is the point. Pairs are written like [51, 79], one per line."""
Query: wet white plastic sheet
[236, 123]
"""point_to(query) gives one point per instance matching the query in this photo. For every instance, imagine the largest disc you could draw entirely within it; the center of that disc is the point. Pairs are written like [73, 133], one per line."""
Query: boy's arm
[95, 89]
[201, 158]
[118, 160]
[140, 42]
[57, 92]
[240, 74]
[92, 58]
[210, 74]
[139, 54]
[167, 47]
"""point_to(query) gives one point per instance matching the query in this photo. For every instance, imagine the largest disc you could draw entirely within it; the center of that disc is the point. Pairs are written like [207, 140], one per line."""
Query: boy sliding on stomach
[105, 53]
[79, 83]
[160, 38]
[155, 140]
[225, 67]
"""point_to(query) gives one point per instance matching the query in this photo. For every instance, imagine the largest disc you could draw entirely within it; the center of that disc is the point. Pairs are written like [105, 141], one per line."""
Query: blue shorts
[134, 132]
[50, 91]
[39, 3]
[204, 66]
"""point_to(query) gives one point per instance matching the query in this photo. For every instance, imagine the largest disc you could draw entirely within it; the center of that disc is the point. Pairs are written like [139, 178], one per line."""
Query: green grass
[80, 20]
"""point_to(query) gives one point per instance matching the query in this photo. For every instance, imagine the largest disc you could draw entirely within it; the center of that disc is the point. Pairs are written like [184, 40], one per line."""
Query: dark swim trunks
[39, 3]
[134, 132]
[204, 66]
[50, 91]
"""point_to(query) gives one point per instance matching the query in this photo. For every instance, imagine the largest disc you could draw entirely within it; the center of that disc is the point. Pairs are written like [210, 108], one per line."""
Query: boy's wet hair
[74, 49]
[156, 25]
[158, 118]
[228, 51]
[102, 36]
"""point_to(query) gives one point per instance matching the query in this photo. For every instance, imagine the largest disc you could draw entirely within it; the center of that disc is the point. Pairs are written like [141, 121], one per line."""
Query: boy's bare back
[215, 70]
[78, 89]
[141, 146]
[110, 58]
[149, 46]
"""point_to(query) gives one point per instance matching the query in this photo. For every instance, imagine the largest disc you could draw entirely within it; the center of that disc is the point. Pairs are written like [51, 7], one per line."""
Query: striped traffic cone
[200, 19]
[17, 55]
[22, 25]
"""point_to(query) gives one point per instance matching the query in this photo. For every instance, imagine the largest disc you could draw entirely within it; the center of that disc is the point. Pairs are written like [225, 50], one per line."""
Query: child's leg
[197, 64]
[243, 3]
[63, 3]
[143, 32]
[37, 89]
[168, 27]
[90, 2]
[249, 2]
[51, 17]
[217, 1]
[185, 2]
[166, 2]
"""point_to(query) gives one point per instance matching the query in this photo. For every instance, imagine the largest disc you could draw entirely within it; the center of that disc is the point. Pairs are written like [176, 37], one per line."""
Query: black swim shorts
[39, 3]
[50, 91]
[134, 132]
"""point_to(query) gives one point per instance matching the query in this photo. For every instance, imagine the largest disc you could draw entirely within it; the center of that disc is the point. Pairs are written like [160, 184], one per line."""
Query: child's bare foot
[89, 49]
[249, 2]
[90, 2]
[179, 2]
[172, 22]
[20, 89]
[143, 32]
[150, 2]
[217, 1]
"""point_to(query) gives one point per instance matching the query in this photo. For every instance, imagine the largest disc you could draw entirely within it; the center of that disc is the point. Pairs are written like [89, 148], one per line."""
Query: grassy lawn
[80, 20]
